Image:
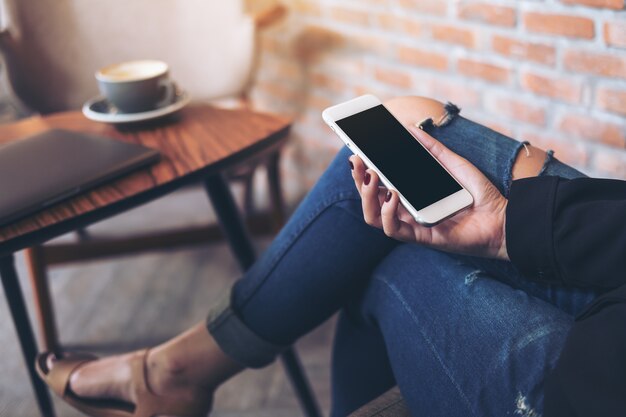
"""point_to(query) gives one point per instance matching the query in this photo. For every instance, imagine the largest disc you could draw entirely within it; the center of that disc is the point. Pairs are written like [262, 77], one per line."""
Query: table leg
[228, 215]
[15, 299]
[234, 229]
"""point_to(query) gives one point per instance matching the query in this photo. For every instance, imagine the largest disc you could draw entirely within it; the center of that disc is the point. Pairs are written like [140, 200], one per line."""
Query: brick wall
[549, 71]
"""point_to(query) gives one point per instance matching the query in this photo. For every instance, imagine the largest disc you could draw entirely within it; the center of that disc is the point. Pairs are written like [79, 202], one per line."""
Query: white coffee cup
[137, 86]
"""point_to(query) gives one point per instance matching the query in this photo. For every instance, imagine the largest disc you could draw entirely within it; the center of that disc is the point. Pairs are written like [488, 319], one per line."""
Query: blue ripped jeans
[460, 336]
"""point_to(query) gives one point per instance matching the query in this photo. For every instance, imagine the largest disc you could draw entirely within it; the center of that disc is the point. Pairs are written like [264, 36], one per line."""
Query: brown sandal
[148, 404]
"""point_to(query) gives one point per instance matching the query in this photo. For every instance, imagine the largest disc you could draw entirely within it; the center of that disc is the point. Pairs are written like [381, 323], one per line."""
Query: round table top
[198, 141]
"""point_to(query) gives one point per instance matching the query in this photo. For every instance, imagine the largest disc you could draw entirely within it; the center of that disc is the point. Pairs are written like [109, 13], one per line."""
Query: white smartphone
[425, 187]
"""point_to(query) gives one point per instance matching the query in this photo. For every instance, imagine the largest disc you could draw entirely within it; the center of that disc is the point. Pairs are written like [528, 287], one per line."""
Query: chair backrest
[55, 46]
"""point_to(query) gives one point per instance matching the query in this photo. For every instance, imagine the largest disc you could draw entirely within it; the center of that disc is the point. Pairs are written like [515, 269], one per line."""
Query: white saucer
[100, 110]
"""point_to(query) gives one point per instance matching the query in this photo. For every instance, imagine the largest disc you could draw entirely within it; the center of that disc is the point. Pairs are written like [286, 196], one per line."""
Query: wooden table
[197, 145]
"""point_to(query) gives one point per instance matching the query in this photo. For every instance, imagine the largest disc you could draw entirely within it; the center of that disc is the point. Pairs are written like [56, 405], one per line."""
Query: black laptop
[41, 170]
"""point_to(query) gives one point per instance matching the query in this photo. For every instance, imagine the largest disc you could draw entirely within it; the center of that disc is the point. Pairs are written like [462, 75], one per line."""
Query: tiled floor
[125, 303]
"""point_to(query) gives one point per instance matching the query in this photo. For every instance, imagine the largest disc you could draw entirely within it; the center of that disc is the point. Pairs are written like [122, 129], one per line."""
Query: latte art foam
[132, 71]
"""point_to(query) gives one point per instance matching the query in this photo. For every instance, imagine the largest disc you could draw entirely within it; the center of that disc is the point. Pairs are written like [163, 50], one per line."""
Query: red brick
[328, 82]
[585, 127]
[517, 109]
[615, 34]
[317, 102]
[609, 4]
[489, 72]
[400, 24]
[310, 8]
[597, 63]
[554, 87]
[343, 65]
[611, 100]
[559, 24]
[422, 58]
[505, 128]
[454, 35]
[610, 163]
[393, 77]
[374, 2]
[459, 93]
[434, 7]
[350, 16]
[445, 89]
[369, 43]
[368, 88]
[536, 52]
[277, 90]
[567, 151]
[488, 13]
[500, 128]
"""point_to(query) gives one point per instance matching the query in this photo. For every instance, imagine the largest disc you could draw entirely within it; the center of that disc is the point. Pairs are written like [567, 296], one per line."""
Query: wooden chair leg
[276, 192]
[43, 301]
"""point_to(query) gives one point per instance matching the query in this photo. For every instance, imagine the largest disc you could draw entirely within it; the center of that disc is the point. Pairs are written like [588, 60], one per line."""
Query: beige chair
[53, 48]
[57, 45]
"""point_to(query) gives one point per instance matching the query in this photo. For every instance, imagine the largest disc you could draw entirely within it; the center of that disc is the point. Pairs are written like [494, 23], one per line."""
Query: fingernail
[367, 178]
[388, 196]
[351, 164]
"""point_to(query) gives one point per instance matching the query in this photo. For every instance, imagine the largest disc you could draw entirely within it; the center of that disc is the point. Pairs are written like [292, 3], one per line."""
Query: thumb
[444, 155]
[463, 170]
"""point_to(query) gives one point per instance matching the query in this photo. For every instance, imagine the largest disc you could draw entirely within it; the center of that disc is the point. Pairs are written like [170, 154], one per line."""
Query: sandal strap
[58, 379]
[149, 404]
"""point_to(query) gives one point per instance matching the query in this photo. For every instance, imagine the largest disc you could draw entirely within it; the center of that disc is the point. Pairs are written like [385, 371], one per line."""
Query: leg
[319, 259]
[502, 159]
[361, 367]
[15, 299]
[361, 370]
[460, 342]
[324, 255]
[293, 259]
[496, 155]
[316, 262]
[233, 227]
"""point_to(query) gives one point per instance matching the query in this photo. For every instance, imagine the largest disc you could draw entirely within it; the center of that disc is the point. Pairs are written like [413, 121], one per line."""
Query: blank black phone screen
[399, 156]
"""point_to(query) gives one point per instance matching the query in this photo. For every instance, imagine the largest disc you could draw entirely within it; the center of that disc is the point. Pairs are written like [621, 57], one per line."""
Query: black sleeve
[574, 232]
[589, 379]
[568, 231]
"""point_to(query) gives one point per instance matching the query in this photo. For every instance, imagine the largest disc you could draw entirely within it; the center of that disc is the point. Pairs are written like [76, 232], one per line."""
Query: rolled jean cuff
[236, 339]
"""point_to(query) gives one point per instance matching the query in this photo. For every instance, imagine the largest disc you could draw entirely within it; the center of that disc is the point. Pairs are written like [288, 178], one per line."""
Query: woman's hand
[477, 231]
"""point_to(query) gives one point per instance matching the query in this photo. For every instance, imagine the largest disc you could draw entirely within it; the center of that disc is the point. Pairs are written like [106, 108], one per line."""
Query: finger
[389, 214]
[466, 173]
[404, 215]
[391, 223]
[436, 148]
[414, 231]
[370, 199]
[456, 164]
[358, 172]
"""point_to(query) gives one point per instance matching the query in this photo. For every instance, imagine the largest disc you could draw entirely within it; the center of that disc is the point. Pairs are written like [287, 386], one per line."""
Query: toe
[103, 378]
[52, 358]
